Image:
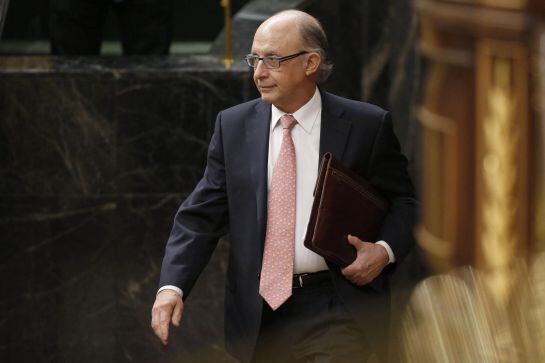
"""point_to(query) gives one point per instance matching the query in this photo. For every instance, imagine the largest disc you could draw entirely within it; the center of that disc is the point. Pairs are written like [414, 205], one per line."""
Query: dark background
[193, 20]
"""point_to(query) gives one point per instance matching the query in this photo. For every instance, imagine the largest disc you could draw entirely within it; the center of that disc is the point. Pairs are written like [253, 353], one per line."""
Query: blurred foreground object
[483, 132]
[482, 185]
[456, 318]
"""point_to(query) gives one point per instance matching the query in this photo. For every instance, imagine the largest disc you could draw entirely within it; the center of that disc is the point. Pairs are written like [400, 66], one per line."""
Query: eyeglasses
[270, 61]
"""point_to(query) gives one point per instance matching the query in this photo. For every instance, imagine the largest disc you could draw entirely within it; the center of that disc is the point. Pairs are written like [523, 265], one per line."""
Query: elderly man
[283, 302]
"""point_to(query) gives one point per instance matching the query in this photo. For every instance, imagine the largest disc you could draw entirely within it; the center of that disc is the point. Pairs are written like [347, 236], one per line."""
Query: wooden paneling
[480, 132]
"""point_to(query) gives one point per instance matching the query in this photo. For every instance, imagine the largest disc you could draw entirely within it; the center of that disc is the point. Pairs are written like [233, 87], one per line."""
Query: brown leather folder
[344, 203]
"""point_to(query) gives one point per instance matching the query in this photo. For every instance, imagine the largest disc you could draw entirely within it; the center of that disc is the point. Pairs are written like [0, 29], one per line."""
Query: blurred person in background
[76, 26]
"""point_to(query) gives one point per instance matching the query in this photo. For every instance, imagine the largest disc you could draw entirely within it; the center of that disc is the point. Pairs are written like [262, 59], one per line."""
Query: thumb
[177, 314]
[355, 241]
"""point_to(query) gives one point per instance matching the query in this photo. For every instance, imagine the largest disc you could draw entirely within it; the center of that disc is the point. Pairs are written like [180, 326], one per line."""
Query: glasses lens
[251, 60]
[271, 62]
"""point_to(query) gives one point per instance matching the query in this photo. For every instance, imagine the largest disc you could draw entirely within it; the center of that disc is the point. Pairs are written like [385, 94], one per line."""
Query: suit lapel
[334, 130]
[257, 138]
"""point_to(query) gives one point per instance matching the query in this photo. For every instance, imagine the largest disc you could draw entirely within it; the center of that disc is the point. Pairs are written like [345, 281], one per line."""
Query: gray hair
[314, 36]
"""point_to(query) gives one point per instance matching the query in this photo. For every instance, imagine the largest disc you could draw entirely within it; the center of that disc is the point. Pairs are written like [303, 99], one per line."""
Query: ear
[312, 63]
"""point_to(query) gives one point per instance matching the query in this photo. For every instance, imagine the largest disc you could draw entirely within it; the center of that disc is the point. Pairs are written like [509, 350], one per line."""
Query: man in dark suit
[283, 302]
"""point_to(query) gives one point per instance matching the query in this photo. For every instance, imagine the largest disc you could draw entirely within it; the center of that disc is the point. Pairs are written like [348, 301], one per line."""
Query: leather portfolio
[344, 203]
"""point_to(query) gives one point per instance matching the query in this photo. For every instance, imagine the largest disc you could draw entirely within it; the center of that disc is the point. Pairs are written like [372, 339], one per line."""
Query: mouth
[265, 88]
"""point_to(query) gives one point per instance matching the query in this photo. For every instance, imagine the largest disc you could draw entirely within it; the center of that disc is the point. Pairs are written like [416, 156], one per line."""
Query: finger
[363, 280]
[155, 321]
[354, 241]
[163, 333]
[360, 281]
[347, 271]
[177, 315]
[159, 334]
[163, 325]
[350, 270]
[153, 318]
[158, 331]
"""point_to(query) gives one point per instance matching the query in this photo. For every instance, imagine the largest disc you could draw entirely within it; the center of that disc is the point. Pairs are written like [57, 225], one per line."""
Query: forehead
[276, 38]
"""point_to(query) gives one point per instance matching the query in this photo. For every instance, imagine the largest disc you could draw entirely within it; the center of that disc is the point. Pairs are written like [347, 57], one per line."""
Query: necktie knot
[288, 121]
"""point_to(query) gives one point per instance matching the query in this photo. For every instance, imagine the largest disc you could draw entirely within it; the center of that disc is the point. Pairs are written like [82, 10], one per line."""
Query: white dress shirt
[306, 138]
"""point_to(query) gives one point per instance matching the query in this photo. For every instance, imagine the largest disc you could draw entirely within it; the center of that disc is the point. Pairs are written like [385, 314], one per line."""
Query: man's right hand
[168, 307]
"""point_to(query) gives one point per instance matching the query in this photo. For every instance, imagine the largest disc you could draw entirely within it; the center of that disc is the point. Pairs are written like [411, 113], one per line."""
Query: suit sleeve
[388, 172]
[199, 223]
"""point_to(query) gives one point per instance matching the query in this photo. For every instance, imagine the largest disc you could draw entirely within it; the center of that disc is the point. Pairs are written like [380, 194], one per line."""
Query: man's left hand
[370, 260]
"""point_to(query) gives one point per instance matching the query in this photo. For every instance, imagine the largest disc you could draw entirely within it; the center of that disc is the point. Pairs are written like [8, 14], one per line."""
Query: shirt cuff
[391, 257]
[173, 288]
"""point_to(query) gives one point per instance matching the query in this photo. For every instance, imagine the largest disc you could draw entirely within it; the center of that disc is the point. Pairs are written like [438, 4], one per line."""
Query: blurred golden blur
[455, 317]
[483, 220]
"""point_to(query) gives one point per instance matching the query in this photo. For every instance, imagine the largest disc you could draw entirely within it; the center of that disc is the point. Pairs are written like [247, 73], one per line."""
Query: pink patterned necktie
[277, 268]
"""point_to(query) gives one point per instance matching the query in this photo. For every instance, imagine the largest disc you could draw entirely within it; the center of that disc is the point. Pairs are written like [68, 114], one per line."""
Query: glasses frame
[268, 58]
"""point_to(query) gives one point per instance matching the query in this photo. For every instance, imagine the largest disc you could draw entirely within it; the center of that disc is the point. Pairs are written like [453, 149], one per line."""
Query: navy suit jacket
[231, 198]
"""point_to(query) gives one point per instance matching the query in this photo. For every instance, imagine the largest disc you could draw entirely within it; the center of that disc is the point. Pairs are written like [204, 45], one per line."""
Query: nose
[260, 70]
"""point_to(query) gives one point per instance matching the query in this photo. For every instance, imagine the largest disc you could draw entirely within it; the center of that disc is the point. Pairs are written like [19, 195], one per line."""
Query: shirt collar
[306, 116]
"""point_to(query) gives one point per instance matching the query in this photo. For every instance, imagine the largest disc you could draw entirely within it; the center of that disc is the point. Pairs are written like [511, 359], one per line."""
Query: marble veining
[97, 154]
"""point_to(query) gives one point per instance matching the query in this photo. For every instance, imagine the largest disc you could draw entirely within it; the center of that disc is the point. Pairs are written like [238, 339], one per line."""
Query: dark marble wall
[95, 157]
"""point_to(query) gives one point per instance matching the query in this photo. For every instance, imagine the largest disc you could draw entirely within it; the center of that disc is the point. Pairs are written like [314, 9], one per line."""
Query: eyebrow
[268, 54]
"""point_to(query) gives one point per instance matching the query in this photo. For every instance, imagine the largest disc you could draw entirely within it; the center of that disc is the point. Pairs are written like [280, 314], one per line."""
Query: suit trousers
[311, 326]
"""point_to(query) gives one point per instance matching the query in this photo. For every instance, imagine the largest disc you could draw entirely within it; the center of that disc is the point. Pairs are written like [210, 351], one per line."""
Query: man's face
[285, 87]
